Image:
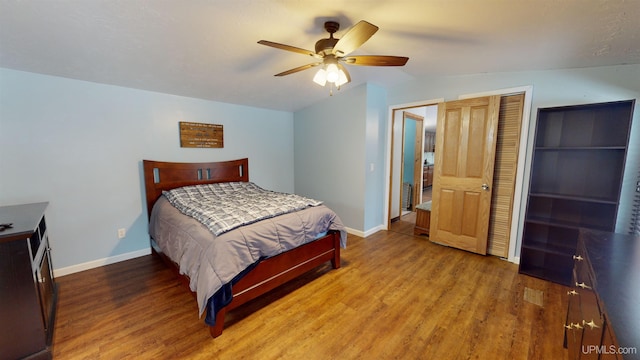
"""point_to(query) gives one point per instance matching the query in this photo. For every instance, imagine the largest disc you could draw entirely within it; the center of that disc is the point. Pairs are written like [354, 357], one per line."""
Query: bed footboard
[275, 271]
[270, 273]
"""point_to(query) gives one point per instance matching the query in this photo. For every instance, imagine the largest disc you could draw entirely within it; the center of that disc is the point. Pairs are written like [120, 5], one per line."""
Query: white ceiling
[208, 49]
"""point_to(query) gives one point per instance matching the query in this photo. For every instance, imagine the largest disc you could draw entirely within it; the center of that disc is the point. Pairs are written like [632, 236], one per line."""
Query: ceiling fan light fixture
[321, 77]
[332, 54]
[342, 79]
[333, 73]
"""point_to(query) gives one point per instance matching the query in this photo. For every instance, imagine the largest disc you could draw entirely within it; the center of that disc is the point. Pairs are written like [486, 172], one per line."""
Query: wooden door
[463, 174]
[504, 175]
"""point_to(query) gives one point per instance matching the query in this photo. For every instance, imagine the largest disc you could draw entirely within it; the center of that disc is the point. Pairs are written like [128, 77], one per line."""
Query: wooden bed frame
[269, 273]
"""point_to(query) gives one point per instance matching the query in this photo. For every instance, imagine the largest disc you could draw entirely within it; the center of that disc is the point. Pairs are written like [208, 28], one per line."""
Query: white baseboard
[364, 234]
[100, 262]
[374, 230]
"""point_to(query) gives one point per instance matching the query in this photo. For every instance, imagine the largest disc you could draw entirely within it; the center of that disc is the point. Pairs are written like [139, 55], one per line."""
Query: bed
[238, 283]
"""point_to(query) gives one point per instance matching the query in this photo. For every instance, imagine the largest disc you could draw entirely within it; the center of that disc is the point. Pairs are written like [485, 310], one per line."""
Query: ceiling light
[321, 77]
[332, 74]
[342, 79]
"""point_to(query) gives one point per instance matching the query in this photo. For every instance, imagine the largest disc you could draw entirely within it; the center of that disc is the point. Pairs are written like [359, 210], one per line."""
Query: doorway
[411, 174]
[410, 170]
[520, 182]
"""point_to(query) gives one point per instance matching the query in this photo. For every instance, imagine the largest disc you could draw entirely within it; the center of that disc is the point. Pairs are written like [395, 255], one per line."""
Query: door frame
[524, 155]
[388, 199]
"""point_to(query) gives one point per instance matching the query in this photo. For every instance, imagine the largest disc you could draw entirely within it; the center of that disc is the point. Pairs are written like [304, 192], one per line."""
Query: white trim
[374, 230]
[364, 234]
[100, 262]
[515, 238]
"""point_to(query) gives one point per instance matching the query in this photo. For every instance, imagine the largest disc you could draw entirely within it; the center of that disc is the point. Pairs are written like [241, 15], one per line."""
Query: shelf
[580, 148]
[564, 224]
[578, 173]
[546, 265]
[592, 125]
[558, 239]
[558, 276]
[560, 250]
[592, 199]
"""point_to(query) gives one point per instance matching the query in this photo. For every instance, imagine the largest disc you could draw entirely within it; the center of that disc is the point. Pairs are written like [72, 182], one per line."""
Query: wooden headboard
[161, 176]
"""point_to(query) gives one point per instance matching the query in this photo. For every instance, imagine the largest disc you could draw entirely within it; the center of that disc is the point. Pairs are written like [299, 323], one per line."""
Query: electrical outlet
[122, 233]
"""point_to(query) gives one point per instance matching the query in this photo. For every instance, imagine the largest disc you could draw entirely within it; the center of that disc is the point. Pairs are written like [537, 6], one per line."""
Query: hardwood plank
[395, 296]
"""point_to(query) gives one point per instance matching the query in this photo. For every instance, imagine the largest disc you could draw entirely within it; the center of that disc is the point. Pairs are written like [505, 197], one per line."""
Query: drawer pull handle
[583, 285]
[590, 324]
[577, 326]
[572, 292]
[578, 257]
[568, 327]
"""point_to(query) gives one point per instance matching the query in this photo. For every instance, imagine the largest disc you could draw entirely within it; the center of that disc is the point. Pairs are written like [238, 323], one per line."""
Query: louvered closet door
[504, 175]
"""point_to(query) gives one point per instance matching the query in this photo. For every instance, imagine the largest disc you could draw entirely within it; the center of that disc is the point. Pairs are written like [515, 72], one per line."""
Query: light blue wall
[329, 142]
[79, 145]
[340, 154]
[410, 126]
[550, 88]
[375, 154]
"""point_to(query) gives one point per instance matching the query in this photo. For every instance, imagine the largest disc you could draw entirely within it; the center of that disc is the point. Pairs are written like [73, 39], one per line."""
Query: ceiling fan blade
[289, 48]
[354, 38]
[299, 68]
[376, 60]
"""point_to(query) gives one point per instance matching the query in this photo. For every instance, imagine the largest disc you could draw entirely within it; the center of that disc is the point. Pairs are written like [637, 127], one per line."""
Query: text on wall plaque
[199, 135]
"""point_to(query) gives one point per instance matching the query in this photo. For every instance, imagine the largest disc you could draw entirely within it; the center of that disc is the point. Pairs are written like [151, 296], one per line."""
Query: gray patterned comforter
[225, 206]
[210, 260]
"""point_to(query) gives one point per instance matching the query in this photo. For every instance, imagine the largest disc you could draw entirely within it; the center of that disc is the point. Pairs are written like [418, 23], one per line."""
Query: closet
[576, 178]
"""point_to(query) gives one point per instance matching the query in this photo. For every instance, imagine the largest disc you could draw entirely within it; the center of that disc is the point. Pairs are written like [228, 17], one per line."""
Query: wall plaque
[199, 135]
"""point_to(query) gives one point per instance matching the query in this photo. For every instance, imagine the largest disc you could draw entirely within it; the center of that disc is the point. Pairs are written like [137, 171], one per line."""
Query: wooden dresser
[423, 219]
[603, 317]
[427, 176]
[28, 293]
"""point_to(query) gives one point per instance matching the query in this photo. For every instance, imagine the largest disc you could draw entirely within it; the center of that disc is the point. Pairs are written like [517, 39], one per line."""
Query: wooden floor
[397, 296]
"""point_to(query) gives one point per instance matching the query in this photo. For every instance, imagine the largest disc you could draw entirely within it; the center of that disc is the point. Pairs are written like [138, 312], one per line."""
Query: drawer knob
[577, 326]
[578, 257]
[583, 285]
[591, 324]
[572, 292]
[568, 327]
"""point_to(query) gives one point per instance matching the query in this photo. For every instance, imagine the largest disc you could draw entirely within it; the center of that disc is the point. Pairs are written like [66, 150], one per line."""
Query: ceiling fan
[332, 53]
